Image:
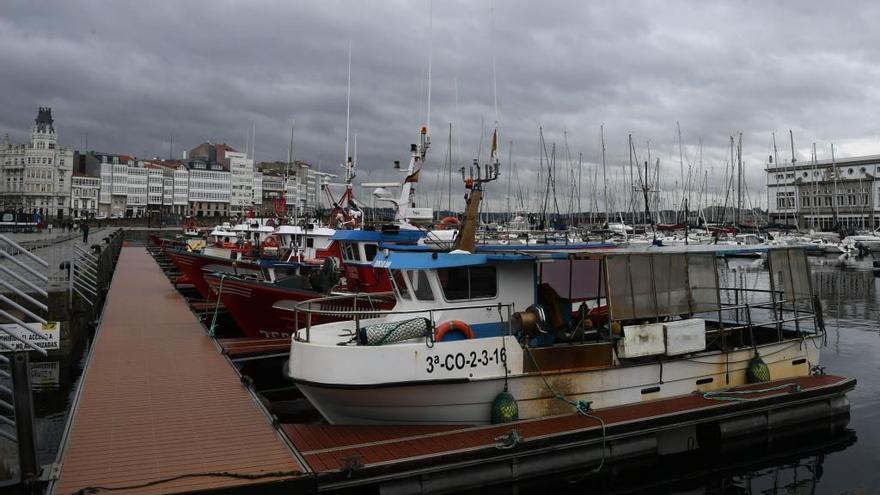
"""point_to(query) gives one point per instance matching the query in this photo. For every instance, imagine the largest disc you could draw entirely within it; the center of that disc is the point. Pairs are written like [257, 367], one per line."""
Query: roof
[399, 260]
[545, 247]
[377, 236]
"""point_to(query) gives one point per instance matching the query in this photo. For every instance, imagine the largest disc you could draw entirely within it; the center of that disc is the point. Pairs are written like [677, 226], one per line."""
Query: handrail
[25, 267]
[24, 251]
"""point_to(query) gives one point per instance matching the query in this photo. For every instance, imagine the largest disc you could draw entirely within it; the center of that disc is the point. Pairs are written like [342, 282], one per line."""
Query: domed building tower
[35, 178]
[43, 136]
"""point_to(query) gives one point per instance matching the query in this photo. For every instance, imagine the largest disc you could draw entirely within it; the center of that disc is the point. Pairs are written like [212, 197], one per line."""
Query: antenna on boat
[430, 57]
[349, 165]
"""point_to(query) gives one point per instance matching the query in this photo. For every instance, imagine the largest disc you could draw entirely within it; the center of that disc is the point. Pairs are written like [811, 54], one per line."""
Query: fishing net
[384, 333]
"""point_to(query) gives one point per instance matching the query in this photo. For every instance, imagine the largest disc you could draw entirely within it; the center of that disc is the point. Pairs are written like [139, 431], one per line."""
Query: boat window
[348, 252]
[483, 282]
[370, 251]
[399, 284]
[574, 279]
[468, 282]
[310, 242]
[420, 285]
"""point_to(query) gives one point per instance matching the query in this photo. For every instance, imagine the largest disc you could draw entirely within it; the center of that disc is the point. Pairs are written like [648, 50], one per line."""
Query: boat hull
[251, 305]
[469, 401]
[195, 266]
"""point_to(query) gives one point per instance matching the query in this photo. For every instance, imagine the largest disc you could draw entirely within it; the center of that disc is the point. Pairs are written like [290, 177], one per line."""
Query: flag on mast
[413, 177]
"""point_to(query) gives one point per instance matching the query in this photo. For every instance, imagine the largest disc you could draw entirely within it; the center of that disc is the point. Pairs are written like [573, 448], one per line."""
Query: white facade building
[241, 169]
[210, 190]
[827, 194]
[138, 191]
[257, 198]
[155, 187]
[36, 177]
[303, 188]
[84, 194]
[180, 201]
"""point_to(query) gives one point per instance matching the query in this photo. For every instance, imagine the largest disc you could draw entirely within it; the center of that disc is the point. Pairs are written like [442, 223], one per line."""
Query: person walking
[85, 231]
[49, 228]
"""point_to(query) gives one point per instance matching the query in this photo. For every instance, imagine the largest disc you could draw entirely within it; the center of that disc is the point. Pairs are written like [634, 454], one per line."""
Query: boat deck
[158, 401]
[246, 347]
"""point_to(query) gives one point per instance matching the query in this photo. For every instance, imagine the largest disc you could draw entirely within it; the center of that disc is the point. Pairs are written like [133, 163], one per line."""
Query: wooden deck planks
[325, 446]
[159, 400]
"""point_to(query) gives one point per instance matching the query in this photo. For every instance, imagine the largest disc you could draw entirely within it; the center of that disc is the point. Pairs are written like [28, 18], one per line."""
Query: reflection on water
[820, 460]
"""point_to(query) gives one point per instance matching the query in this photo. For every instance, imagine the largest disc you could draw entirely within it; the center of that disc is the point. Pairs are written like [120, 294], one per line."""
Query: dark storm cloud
[131, 74]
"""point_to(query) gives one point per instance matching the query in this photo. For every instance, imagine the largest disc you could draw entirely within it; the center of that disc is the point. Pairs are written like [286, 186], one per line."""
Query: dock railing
[22, 308]
[91, 269]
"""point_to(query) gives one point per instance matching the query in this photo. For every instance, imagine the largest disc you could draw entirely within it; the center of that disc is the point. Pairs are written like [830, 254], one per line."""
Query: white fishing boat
[549, 332]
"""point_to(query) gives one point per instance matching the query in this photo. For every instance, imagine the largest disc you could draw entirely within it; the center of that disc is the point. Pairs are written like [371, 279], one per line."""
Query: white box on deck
[685, 336]
[642, 340]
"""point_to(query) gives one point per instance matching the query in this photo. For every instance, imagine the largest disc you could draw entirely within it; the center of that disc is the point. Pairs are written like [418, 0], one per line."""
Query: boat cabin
[307, 242]
[634, 302]
[359, 249]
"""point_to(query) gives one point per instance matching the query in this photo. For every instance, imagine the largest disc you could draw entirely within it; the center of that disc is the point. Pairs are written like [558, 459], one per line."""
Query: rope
[216, 306]
[216, 474]
[735, 395]
[581, 406]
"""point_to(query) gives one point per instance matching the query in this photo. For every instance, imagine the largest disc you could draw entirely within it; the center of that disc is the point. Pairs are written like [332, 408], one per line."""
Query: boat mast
[814, 206]
[797, 219]
[466, 239]
[604, 171]
[776, 161]
[835, 202]
[739, 182]
[632, 184]
[680, 165]
[287, 169]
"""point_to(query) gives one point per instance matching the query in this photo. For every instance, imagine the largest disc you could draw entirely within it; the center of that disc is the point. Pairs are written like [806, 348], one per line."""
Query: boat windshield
[399, 282]
[420, 285]
[349, 252]
[370, 251]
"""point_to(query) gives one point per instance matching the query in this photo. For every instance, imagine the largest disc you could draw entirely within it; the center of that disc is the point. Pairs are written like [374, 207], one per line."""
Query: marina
[438, 248]
[336, 457]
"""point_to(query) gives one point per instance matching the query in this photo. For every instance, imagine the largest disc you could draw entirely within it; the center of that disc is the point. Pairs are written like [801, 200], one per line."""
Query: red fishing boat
[252, 302]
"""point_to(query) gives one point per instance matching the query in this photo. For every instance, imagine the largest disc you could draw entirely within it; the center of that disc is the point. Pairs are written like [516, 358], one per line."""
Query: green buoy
[758, 371]
[504, 408]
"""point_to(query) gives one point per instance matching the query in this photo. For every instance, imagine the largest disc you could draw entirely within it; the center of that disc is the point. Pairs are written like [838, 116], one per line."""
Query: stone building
[36, 177]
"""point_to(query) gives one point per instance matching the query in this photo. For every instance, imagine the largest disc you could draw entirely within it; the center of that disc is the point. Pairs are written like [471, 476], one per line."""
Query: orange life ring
[448, 222]
[453, 326]
[270, 242]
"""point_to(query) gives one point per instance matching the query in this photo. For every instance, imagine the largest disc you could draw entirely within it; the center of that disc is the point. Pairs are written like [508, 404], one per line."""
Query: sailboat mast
[739, 180]
[632, 184]
[797, 219]
[836, 200]
[604, 171]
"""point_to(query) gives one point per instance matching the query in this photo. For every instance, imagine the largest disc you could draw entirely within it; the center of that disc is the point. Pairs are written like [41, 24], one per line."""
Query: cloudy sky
[129, 75]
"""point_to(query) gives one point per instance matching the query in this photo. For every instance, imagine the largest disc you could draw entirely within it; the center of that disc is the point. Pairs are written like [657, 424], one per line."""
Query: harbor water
[808, 461]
